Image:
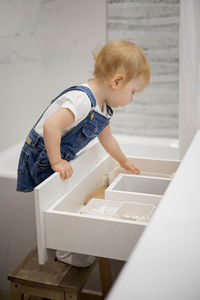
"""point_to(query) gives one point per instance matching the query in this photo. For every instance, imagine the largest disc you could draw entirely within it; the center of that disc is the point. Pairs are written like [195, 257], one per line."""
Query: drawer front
[90, 235]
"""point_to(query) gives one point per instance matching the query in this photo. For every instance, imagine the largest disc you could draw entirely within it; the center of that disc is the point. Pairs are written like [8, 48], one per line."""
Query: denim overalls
[34, 166]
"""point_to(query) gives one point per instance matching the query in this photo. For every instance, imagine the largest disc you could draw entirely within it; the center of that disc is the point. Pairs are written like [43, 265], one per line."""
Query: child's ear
[116, 81]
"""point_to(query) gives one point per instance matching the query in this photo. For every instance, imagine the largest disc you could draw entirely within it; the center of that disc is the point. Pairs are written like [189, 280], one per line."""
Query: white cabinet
[165, 264]
[62, 223]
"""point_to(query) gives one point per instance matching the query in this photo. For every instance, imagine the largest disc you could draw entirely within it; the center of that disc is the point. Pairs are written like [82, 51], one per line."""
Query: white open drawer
[67, 229]
[60, 225]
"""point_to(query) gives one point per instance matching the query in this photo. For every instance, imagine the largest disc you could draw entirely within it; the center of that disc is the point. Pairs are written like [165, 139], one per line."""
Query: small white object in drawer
[101, 207]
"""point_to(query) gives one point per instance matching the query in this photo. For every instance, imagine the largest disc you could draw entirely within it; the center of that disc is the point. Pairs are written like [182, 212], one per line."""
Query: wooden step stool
[56, 280]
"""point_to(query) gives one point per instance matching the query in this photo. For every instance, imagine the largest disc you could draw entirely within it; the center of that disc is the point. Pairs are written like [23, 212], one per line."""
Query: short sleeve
[78, 102]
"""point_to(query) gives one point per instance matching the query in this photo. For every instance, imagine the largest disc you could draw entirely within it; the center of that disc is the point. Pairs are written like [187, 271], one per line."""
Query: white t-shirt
[79, 104]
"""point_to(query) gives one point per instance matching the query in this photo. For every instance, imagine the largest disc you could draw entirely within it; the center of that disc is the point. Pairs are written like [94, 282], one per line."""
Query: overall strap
[88, 92]
[109, 110]
[80, 88]
[73, 88]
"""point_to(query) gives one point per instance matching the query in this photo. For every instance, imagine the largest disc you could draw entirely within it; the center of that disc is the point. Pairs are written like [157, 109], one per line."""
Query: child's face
[120, 96]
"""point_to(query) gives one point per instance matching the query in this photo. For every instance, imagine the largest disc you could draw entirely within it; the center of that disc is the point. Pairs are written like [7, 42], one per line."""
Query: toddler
[81, 113]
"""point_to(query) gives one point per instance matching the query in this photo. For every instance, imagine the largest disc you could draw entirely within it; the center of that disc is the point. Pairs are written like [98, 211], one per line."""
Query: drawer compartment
[135, 212]
[143, 189]
[149, 167]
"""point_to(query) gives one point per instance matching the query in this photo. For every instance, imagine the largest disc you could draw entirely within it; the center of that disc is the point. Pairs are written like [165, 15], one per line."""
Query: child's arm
[112, 147]
[52, 138]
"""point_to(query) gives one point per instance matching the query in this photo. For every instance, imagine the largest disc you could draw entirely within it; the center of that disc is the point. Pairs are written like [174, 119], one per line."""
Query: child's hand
[64, 168]
[129, 166]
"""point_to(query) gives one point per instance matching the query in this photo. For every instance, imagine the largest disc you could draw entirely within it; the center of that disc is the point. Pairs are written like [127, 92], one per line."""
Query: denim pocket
[22, 161]
[42, 172]
[43, 160]
[65, 155]
[42, 168]
[89, 131]
[87, 134]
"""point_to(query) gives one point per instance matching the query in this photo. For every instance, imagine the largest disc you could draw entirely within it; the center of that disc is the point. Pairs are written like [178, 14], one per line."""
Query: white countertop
[165, 264]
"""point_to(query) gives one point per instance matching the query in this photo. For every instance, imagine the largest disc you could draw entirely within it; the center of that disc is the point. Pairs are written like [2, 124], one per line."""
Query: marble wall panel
[46, 46]
[189, 108]
[154, 26]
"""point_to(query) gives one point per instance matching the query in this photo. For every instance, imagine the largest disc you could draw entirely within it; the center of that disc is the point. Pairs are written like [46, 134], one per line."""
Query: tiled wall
[154, 26]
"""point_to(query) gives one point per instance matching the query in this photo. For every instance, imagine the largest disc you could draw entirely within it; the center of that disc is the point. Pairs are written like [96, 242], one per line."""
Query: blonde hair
[121, 57]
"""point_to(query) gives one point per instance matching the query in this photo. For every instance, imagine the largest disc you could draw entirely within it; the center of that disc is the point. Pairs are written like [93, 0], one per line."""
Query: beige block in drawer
[137, 188]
